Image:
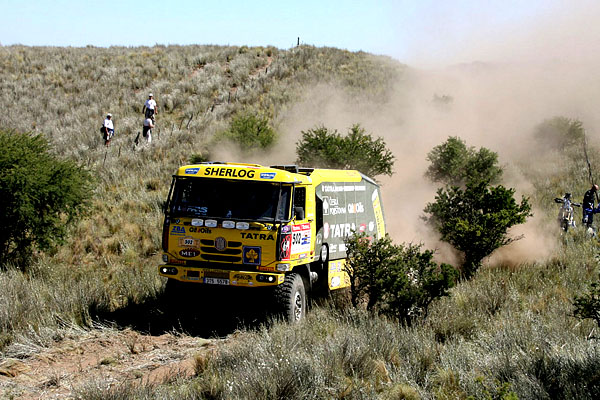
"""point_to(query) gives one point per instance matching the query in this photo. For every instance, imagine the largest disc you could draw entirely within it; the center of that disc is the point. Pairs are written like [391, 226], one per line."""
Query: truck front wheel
[291, 298]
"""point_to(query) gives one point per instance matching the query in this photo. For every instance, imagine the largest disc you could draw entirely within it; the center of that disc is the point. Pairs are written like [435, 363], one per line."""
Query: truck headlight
[265, 278]
[283, 267]
[168, 270]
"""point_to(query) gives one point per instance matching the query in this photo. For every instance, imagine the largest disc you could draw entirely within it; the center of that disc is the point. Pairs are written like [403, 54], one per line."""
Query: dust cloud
[538, 72]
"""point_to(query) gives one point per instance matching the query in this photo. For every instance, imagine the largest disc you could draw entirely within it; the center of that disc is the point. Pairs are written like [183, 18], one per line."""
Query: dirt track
[104, 357]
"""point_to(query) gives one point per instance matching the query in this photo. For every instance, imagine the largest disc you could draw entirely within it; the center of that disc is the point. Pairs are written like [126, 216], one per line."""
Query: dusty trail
[104, 357]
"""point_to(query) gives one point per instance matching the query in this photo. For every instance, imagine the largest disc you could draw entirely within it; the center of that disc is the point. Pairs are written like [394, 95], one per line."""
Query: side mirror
[299, 212]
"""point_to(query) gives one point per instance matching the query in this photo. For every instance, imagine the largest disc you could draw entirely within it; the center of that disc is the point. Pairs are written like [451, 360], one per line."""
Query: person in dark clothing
[588, 206]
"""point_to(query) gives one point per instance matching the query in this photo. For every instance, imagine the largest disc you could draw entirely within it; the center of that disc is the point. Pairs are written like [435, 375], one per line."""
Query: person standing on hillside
[588, 206]
[147, 129]
[108, 129]
[150, 108]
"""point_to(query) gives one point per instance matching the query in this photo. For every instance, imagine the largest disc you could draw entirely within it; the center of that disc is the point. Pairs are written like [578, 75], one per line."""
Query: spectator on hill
[108, 129]
[588, 206]
[150, 107]
[147, 129]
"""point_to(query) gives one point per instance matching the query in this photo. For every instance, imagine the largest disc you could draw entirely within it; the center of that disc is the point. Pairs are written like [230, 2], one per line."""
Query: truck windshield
[236, 200]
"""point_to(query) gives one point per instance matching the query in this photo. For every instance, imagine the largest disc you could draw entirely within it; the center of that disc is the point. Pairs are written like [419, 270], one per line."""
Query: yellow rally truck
[282, 227]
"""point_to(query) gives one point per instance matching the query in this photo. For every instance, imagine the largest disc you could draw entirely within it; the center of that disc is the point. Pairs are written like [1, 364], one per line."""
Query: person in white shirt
[109, 129]
[147, 129]
[150, 107]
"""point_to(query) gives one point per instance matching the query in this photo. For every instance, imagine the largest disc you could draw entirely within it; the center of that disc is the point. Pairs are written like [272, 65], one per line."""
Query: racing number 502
[296, 238]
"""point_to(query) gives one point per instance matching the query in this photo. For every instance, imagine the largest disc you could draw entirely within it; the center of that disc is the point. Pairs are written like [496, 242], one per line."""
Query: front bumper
[213, 276]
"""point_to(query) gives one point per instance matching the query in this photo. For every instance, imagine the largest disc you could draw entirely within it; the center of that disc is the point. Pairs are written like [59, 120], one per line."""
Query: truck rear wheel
[291, 298]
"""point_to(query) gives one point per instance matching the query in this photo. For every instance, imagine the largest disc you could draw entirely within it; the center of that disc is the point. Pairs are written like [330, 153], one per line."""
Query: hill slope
[508, 331]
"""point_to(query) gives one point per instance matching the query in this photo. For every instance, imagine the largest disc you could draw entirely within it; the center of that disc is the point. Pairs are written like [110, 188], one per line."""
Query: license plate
[216, 281]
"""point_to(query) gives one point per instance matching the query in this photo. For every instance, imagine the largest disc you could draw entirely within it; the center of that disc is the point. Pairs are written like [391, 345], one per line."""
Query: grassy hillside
[509, 331]
[65, 93]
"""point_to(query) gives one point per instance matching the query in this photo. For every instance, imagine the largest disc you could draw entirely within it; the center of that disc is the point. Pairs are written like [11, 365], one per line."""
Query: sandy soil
[109, 356]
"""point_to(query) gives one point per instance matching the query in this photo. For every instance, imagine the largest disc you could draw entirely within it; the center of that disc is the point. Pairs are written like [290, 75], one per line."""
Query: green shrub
[476, 220]
[322, 148]
[588, 305]
[453, 163]
[250, 131]
[198, 158]
[40, 196]
[558, 133]
[396, 280]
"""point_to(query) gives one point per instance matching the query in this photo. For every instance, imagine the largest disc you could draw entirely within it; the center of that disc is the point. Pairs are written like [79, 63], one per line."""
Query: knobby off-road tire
[290, 298]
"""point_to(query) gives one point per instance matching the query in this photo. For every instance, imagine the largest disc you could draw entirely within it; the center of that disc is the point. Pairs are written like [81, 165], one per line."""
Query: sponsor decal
[378, 214]
[333, 248]
[285, 229]
[332, 188]
[229, 172]
[196, 209]
[335, 266]
[189, 253]
[362, 228]
[286, 246]
[178, 230]
[242, 277]
[252, 255]
[220, 243]
[267, 175]
[331, 206]
[341, 230]
[303, 255]
[188, 241]
[300, 238]
[192, 171]
[356, 208]
[258, 236]
[265, 268]
[371, 226]
[335, 281]
[197, 229]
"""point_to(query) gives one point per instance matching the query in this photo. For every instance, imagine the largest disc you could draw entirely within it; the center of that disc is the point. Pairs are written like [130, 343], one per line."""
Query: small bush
[251, 132]
[476, 220]
[320, 147]
[558, 133]
[40, 196]
[588, 305]
[453, 163]
[199, 158]
[400, 281]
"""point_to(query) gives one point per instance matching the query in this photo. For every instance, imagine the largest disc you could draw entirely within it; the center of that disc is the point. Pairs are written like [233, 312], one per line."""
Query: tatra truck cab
[283, 227]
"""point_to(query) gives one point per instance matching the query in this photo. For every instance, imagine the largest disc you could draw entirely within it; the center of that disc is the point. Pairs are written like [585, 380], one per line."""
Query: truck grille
[208, 242]
[231, 254]
[212, 250]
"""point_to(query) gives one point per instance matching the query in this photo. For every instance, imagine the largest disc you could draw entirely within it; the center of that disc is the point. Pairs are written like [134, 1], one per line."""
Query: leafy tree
[558, 133]
[40, 196]
[588, 305]
[476, 220]
[250, 131]
[320, 147]
[453, 163]
[400, 281]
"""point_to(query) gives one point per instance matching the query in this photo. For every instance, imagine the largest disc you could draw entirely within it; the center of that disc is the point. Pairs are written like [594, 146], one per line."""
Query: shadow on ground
[206, 313]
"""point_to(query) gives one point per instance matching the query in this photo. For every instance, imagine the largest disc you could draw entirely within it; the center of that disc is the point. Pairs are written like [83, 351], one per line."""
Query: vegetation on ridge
[508, 331]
